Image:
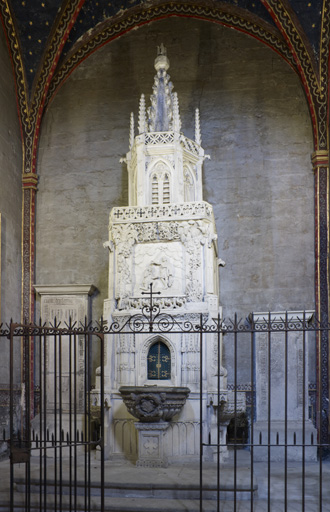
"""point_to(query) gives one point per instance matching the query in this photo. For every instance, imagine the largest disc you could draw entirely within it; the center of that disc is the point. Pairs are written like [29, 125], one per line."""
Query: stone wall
[255, 125]
[10, 192]
[11, 218]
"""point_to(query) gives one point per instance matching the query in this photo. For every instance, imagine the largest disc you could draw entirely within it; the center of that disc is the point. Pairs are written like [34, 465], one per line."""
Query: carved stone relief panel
[146, 232]
[161, 265]
[194, 235]
[168, 231]
[124, 237]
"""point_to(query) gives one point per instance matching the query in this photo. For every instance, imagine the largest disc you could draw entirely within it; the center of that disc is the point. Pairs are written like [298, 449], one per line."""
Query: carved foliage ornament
[191, 233]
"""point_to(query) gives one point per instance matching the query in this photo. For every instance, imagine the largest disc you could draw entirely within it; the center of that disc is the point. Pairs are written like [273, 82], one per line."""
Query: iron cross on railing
[152, 308]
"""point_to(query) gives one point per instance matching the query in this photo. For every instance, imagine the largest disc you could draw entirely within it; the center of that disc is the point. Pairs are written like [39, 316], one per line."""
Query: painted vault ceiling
[47, 39]
[36, 20]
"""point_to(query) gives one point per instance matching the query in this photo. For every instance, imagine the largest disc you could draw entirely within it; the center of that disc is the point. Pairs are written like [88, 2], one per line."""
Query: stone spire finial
[176, 114]
[198, 138]
[161, 111]
[131, 131]
[161, 61]
[161, 49]
[142, 115]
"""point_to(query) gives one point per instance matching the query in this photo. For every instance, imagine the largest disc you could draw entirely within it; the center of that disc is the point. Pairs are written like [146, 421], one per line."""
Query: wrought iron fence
[272, 403]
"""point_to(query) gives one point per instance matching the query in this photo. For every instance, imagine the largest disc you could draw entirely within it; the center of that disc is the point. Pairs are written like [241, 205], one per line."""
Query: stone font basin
[154, 403]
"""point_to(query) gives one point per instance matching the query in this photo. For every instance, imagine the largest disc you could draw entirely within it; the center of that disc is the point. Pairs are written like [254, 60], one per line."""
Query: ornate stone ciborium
[154, 407]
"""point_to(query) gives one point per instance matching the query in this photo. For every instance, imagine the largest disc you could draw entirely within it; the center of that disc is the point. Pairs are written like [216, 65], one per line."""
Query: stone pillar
[29, 183]
[65, 303]
[152, 453]
[281, 383]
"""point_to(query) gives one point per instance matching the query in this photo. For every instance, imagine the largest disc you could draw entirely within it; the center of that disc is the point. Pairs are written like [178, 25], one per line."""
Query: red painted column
[320, 161]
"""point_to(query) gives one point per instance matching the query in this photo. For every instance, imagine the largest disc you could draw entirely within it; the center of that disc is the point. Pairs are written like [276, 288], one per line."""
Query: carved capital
[125, 236]
[30, 180]
[320, 158]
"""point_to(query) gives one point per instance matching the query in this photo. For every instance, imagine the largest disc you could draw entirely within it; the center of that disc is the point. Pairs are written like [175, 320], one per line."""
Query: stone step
[119, 504]
[145, 491]
[129, 496]
[155, 505]
[130, 488]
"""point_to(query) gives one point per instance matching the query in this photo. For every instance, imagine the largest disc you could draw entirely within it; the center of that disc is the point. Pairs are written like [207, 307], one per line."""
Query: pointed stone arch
[159, 361]
[145, 350]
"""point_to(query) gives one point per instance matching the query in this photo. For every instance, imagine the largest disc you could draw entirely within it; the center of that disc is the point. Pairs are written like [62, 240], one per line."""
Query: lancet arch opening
[159, 361]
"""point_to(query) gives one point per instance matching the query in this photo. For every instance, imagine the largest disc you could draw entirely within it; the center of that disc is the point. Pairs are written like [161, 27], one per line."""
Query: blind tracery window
[166, 189]
[189, 188]
[154, 190]
[160, 185]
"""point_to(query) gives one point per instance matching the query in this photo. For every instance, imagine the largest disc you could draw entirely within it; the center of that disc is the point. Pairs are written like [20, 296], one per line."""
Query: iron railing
[277, 457]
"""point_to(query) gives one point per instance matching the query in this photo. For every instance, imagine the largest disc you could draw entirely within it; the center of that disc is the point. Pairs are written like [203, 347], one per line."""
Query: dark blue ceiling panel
[254, 7]
[309, 13]
[93, 13]
[34, 20]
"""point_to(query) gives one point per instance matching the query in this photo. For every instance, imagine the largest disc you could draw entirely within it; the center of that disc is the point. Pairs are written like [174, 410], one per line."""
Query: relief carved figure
[193, 234]
[124, 237]
[160, 274]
